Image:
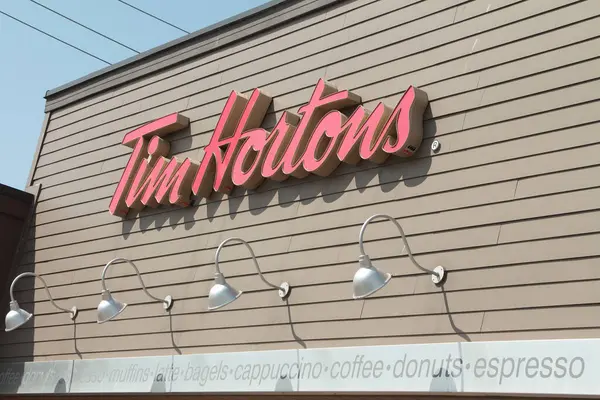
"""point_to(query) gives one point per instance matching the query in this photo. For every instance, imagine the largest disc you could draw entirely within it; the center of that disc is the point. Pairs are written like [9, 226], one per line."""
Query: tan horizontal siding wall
[509, 205]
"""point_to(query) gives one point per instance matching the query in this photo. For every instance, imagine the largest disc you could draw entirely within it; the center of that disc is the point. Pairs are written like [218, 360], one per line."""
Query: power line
[55, 38]
[86, 27]
[153, 16]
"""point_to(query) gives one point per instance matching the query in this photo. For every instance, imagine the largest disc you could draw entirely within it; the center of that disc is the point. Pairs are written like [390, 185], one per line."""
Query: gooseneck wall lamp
[17, 316]
[221, 293]
[109, 308]
[368, 279]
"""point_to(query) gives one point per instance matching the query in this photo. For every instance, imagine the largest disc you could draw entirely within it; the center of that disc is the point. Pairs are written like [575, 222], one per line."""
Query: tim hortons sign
[240, 153]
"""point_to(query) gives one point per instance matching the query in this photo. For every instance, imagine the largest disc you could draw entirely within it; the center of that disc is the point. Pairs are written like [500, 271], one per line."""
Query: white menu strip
[567, 367]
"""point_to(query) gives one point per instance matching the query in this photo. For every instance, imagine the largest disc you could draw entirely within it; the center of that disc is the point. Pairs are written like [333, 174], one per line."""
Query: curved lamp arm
[437, 274]
[283, 289]
[167, 301]
[72, 312]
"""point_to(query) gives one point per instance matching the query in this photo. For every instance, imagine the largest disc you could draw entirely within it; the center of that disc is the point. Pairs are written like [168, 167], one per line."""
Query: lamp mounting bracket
[168, 303]
[439, 276]
[284, 290]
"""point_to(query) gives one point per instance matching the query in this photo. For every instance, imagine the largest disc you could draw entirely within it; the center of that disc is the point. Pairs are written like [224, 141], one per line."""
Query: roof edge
[67, 94]
[253, 12]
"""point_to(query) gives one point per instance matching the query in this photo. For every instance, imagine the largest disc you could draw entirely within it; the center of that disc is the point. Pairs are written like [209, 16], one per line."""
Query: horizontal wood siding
[509, 205]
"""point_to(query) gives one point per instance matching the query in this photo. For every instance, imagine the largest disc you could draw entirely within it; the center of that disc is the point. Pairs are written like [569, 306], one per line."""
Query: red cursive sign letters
[240, 153]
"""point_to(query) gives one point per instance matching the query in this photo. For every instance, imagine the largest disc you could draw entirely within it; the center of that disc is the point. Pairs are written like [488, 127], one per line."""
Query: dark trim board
[21, 210]
[201, 42]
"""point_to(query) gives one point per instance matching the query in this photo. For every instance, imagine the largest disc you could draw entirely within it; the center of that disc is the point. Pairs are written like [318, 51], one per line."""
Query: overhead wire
[84, 26]
[152, 16]
[55, 38]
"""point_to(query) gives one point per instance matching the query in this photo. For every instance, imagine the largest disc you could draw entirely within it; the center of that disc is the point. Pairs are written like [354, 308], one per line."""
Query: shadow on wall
[386, 177]
[283, 385]
[159, 384]
[442, 382]
[297, 338]
[75, 340]
[61, 386]
[177, 349]
[456, 329]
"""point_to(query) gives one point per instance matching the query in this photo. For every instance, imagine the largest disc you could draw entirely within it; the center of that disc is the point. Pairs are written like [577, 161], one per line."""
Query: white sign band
[569, 367]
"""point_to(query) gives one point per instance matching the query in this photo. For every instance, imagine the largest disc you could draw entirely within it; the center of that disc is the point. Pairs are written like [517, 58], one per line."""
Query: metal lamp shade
[15, 317]
[368, 279]
[221, 293]
[109, 308]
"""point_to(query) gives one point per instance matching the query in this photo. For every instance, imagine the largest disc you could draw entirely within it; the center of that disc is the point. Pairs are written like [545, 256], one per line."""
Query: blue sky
[31, 63]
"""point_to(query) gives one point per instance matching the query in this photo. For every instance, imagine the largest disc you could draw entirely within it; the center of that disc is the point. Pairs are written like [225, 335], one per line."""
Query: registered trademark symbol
[435, 146]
